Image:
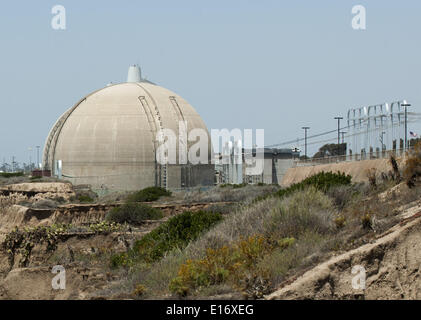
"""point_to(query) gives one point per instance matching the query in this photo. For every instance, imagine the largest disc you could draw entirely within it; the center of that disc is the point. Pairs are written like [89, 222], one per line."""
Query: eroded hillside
[226, 242]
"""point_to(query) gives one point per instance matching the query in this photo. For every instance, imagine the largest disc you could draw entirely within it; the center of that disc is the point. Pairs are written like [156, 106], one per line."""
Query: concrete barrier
[357, 169]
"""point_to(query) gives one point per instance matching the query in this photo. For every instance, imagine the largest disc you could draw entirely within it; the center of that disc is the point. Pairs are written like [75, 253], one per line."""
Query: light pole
[305, 141]
[406, 124]
[339, 127]
[38, 156]
[30, 159]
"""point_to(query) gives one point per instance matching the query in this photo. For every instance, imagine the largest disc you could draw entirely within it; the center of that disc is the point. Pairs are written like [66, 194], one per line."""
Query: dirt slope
[392, 264]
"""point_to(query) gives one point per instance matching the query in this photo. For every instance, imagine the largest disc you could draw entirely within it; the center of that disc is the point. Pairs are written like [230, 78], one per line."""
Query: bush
[340, 221]
[11, 174]
[85, 199]
[342, 195]
[139, 290]
[372, 178]
[366, 221]
[278, 264]
[234, 264]
[308, 210]
[84, 196]
[412, 169]
[273, 217]
[272, 220]
[395, 174]
[133, 213]
[177, 232]
[148, 194]
[322, 181]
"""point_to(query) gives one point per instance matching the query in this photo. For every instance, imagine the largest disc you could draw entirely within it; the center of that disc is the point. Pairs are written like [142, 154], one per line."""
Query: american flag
[413, 134]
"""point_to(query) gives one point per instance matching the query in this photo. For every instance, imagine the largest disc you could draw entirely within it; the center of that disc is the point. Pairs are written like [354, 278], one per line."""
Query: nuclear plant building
[108, 139]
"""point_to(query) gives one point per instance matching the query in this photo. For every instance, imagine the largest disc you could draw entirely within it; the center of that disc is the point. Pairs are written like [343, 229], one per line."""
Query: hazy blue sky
[276, 65]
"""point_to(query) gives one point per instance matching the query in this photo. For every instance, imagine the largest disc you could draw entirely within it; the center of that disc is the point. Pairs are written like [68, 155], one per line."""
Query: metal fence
[379, 154]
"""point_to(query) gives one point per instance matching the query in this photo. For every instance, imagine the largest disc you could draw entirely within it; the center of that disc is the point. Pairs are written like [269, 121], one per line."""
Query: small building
[276, 163]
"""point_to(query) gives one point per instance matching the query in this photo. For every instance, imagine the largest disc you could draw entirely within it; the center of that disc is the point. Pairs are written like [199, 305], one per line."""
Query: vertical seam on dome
[158, 114]
[57, 132]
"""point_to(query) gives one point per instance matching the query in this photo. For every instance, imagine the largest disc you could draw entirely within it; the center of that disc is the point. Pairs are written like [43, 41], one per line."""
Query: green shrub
[366, 221]
[237, 186]
[133, 213]
[84, 196]
[233, 185]
[340, 221]
[119, 259]
[177, 232]
[11, 174]
[139, 290]
[148, 194]
[85, 199]
[322, 181]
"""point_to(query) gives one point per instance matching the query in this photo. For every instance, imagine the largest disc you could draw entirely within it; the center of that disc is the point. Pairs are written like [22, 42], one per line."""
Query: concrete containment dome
[108, 139]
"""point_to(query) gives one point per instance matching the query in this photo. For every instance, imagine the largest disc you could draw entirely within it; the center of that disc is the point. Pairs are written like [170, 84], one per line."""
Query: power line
[346, 127]
[309, 137]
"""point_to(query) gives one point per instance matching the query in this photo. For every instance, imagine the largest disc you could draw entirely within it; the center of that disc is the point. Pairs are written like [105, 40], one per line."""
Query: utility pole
[339, 128]
[406, 124]
[305, 141]
[38, 156]
[343, 137]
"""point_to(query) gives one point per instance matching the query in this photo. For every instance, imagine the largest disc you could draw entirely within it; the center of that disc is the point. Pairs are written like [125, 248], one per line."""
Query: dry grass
[283, 262]
[345, 217]
[412, 169]
[243, 194]
[305, 215]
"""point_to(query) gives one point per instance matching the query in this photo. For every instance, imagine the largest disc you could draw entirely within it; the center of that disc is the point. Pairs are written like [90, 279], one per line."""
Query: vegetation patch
[412, 169]
[133, 213]
[276, 234]
[11, 174]
[148, 194]
[85, 199]
[322, 181]
[22, 241]
[234, 264]
[177, 232]
[234, 186]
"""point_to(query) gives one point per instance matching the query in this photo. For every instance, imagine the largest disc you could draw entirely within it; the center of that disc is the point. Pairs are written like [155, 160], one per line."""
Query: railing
[380, 154]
